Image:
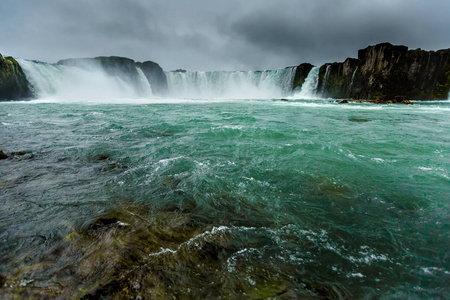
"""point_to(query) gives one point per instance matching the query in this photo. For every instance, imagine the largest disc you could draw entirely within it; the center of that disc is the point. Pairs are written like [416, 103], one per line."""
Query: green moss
[442, 88]
[377, 95]
[13, 83]
[407, 102]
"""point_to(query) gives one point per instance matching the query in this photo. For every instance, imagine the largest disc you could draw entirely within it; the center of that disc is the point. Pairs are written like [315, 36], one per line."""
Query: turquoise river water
[228, 199]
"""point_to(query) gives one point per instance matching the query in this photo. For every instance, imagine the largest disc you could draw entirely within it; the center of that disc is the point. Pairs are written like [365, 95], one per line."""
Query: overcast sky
[218, 35]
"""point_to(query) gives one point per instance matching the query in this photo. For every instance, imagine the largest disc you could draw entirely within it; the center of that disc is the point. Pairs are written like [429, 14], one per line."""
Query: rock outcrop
[156, 76]
[126, 69]
[13, 82]
[301, 73]
[385, 72]
[120, 67]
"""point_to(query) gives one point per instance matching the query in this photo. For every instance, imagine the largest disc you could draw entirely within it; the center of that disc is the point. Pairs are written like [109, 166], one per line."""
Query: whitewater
[220, 189]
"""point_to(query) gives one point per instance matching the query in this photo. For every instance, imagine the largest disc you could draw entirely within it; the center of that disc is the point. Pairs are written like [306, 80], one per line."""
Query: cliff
[381, 72]
[13, 82]
[126, 69]
[301, 73]
[156, 76]
[386, 72]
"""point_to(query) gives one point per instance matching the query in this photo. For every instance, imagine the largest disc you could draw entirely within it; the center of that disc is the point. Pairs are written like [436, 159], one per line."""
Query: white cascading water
[309, 87]
[353, 78]
[232, 84]
[325, 78]
[85, 81]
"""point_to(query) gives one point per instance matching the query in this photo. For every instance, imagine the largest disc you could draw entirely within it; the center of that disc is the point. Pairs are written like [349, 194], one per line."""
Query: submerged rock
[133, 253]
[3, 155]
[101, 156]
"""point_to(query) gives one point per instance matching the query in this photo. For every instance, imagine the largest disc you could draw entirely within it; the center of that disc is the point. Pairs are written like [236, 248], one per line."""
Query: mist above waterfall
[82, 81]
[106, 78]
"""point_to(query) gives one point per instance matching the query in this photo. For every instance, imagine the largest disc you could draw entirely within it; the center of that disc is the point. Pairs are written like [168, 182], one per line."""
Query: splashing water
[84, 81]
[309, 87]
[299, 198]
[231, 84]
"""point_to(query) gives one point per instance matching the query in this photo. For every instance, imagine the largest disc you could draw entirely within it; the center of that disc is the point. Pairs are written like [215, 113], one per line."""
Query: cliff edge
[387, 72]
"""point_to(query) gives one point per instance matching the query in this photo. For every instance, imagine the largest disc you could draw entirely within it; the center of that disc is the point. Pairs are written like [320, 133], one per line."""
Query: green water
[288, 199]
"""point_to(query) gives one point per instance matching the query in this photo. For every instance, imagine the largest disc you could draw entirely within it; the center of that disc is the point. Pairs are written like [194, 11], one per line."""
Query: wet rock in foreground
[131, 253]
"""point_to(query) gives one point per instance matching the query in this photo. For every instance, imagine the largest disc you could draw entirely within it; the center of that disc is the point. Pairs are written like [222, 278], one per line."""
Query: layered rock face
[386, 72]
[13, 82]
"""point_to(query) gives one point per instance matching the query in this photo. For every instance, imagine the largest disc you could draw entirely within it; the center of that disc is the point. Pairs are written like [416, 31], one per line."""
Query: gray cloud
[205, 34]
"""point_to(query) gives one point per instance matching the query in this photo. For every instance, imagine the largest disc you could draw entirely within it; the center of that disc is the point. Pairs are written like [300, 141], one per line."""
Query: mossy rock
[13, 82]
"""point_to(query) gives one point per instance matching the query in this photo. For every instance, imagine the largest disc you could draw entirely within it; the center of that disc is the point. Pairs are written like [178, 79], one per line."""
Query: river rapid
[217, 198]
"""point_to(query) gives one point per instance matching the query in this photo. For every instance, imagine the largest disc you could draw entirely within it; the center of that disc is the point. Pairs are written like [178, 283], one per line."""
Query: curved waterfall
[231, 84]
[309, 87]
[85, 80]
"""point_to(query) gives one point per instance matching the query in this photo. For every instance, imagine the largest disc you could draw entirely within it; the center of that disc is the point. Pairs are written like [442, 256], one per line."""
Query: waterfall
[84, 80]
[325, 78]
[428, 62]
[353, 78]
[116, 78]
[231, 84]
[309, 87]
[146, 88]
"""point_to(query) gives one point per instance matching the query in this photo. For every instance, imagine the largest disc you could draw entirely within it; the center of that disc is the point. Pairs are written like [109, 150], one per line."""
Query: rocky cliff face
[125, 69]
[13, 82]
[156, 76]
[301, 73]
[120, 67]
[387, 72]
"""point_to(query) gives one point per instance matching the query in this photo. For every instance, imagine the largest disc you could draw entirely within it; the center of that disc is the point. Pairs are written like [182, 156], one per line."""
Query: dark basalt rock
[3, 155]
[121, 67]
[385, 72]
[125, 68]
[156, 76]
[13, 82]
[301, 73]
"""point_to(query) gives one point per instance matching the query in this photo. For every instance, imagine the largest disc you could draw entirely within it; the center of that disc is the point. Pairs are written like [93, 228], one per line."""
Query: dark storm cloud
[205, 34]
